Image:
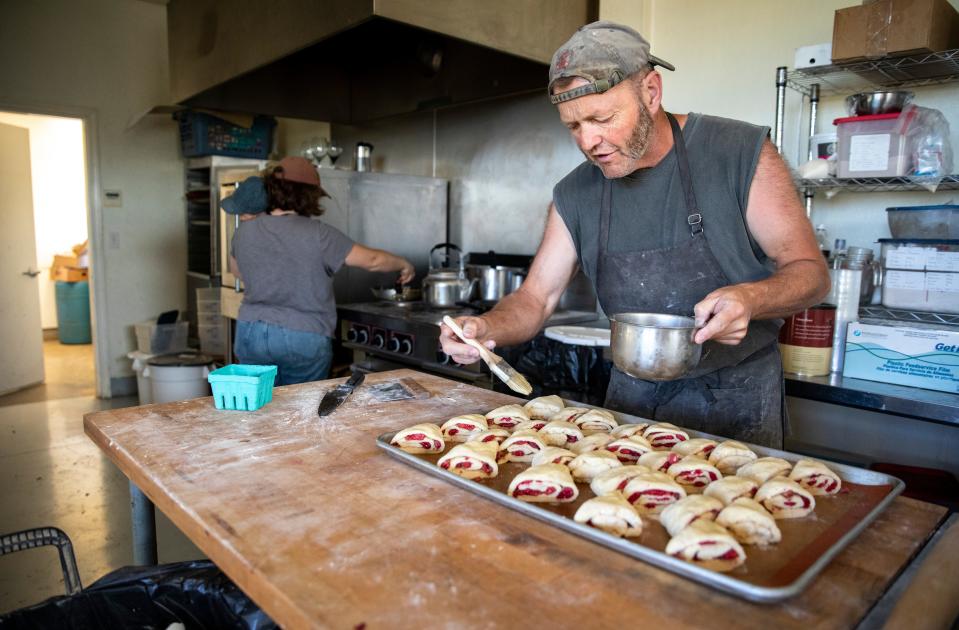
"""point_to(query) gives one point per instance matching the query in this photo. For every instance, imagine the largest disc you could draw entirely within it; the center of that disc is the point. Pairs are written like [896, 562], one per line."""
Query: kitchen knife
[335, 397]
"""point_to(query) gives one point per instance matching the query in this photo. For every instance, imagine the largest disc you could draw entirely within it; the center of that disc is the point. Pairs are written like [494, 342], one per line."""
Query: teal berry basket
[242, 387]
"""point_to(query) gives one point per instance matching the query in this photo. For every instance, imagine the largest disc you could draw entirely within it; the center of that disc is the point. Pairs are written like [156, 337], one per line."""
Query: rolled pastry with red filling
[568, 414]
[750, 523]
[596, 420]
[612, 514]
[546, 483]
[728, 489]
[785, 499]
[651, 492]
[553, 455]
[728, 456]
[587, 465]
[764, 469]
[521, 446]
[658, 460]
[472, 460]
[543, 407]
[507, 416]
[708, 545]
[815, 477]
[700, 447]
[560, 433]
[613, 481]
[630, 449]
[664, 436]
[592, 442]
[420, 438]
[676, 517]
[694, 473]
[530, 425]
[460, 428]
[493, 434]
[628, 430]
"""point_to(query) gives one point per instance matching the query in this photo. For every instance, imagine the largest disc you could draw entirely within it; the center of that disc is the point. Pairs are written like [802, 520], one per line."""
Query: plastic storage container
[73, 312]
[144, 386]
[921, 274]
[212, 338]
[242, 387]
[940, 221]
[203, 134]
[181, 376]
[871, 146]
[163, 338]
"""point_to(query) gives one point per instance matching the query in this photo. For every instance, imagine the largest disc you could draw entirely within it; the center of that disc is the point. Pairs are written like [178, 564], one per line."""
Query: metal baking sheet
[769, 574]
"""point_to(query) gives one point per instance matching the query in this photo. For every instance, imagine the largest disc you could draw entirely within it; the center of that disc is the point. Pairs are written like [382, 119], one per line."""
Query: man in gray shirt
[684, 215]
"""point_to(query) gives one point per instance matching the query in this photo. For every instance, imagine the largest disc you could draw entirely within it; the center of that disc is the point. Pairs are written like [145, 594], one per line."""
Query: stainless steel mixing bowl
[654, 346]
[880, 102]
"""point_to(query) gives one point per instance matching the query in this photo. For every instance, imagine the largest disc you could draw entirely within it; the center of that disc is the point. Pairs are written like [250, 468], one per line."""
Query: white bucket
[178, 383]
[144, 387]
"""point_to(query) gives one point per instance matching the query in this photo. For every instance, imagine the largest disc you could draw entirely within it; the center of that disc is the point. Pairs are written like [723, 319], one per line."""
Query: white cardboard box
[903, 355]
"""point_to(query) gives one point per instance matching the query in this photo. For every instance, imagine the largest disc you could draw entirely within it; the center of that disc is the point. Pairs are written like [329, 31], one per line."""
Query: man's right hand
[474, 328]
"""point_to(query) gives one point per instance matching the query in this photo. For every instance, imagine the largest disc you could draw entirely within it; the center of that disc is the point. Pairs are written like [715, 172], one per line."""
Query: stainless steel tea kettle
[444, 286]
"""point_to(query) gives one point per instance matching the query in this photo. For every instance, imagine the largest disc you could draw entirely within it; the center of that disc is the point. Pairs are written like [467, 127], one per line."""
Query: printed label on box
[917, 357]
[908, 257]
[869, 152]
[909, 280]
[943, 261]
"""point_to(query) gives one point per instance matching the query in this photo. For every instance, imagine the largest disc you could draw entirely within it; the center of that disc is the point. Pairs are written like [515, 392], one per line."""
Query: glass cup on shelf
[319, 148]
[334, 151]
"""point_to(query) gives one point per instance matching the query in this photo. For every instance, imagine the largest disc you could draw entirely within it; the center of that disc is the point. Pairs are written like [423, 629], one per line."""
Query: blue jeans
[298, 356]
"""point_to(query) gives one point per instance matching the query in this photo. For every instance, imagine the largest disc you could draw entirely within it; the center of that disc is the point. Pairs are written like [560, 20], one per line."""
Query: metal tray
[808, 544]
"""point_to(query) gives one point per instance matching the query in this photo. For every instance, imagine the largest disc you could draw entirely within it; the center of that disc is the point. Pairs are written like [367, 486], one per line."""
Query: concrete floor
[53, 475]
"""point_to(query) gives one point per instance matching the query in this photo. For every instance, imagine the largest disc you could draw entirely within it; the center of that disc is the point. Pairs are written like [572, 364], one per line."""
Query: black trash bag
[196, 594]
[576, 373]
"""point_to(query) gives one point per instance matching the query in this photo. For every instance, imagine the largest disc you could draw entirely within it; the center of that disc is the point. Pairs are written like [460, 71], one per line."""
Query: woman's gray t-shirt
[649, 209]
[287, 263]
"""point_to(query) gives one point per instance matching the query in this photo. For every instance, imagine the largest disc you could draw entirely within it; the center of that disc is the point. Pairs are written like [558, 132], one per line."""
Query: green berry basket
[242, 387]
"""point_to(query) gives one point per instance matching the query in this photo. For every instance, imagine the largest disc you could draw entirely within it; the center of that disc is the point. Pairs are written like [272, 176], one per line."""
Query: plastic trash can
[144, 385]
[73, 312]
[180, 376]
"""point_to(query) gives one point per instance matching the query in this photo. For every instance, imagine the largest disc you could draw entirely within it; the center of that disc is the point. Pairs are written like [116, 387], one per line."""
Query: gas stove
[386, 335]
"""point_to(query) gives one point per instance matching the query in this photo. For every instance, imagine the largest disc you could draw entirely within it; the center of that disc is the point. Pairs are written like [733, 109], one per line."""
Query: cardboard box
[72, 274]
[903, 355]
[61, 261]
[894, 28]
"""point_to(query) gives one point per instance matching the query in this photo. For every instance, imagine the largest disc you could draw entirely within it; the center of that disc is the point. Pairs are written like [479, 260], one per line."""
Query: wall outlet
[114, 240]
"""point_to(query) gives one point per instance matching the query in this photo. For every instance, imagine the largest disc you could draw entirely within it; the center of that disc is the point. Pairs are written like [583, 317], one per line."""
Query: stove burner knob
[362, 336]
[351, 334]
[378, 340]
[406, 347]
[442, 358]
[393, 345]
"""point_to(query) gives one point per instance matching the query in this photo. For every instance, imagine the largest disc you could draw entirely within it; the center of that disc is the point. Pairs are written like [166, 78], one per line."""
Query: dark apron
[735, 391]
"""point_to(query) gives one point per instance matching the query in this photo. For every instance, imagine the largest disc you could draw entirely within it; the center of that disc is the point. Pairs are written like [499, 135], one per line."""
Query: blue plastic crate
[203, 134]
[242, 387]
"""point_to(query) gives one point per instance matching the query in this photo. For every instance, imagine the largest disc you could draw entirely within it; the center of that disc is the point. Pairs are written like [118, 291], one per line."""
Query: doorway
[50, 195]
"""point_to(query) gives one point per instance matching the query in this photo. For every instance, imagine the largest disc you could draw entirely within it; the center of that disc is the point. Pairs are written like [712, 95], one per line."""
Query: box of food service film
[926, 357]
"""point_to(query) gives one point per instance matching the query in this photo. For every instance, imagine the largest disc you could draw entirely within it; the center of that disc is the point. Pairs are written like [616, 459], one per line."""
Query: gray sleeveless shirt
[649, 210]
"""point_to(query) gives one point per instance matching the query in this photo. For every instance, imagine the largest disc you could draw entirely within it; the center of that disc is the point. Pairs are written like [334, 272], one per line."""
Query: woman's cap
[248, 198]
[298, 169]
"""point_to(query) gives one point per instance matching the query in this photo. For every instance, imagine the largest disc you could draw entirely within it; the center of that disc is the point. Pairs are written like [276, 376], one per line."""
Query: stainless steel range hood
[347, 61]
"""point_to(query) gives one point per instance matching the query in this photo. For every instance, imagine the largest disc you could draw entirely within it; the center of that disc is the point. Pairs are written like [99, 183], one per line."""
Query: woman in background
[287, 259]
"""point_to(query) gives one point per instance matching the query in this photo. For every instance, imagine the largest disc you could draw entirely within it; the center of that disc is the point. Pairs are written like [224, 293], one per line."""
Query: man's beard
[639, 140]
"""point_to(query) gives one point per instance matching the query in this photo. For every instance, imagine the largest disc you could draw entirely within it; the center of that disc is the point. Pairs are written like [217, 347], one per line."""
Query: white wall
[59, 195]
[726, 54]
[110, 57]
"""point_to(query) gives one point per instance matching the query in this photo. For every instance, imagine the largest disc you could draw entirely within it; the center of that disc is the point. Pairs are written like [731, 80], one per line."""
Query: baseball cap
[603, 53]
[298, 169]
[248, 198]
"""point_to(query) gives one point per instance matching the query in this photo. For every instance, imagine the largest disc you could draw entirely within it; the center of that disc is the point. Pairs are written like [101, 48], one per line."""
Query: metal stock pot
[496, 281]
[654, 346]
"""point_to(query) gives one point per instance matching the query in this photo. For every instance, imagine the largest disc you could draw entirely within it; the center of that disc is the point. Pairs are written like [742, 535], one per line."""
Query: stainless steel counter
[922, 404]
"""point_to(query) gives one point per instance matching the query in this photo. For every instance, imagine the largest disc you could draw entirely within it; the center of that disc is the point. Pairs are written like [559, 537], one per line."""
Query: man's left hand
[724, 315]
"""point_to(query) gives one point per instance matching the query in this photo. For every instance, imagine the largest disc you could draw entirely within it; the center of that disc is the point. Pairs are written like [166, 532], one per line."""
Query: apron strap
[695, 218]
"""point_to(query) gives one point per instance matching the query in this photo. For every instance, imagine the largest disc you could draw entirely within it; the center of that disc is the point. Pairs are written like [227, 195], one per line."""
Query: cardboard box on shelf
[72, 274]
[894, 28]
[60, 261]
[904, 355]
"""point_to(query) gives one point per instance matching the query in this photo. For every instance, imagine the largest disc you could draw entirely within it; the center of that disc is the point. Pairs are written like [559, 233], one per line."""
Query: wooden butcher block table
[321, 528]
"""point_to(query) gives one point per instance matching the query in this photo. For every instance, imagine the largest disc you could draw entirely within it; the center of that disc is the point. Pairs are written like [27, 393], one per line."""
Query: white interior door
[21, 337]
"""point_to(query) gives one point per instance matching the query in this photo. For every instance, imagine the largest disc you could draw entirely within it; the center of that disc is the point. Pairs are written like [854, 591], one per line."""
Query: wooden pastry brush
[497, 365]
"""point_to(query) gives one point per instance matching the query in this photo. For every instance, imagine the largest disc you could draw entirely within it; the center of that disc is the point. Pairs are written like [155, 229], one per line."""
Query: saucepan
[390, 294]
[654, 346]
